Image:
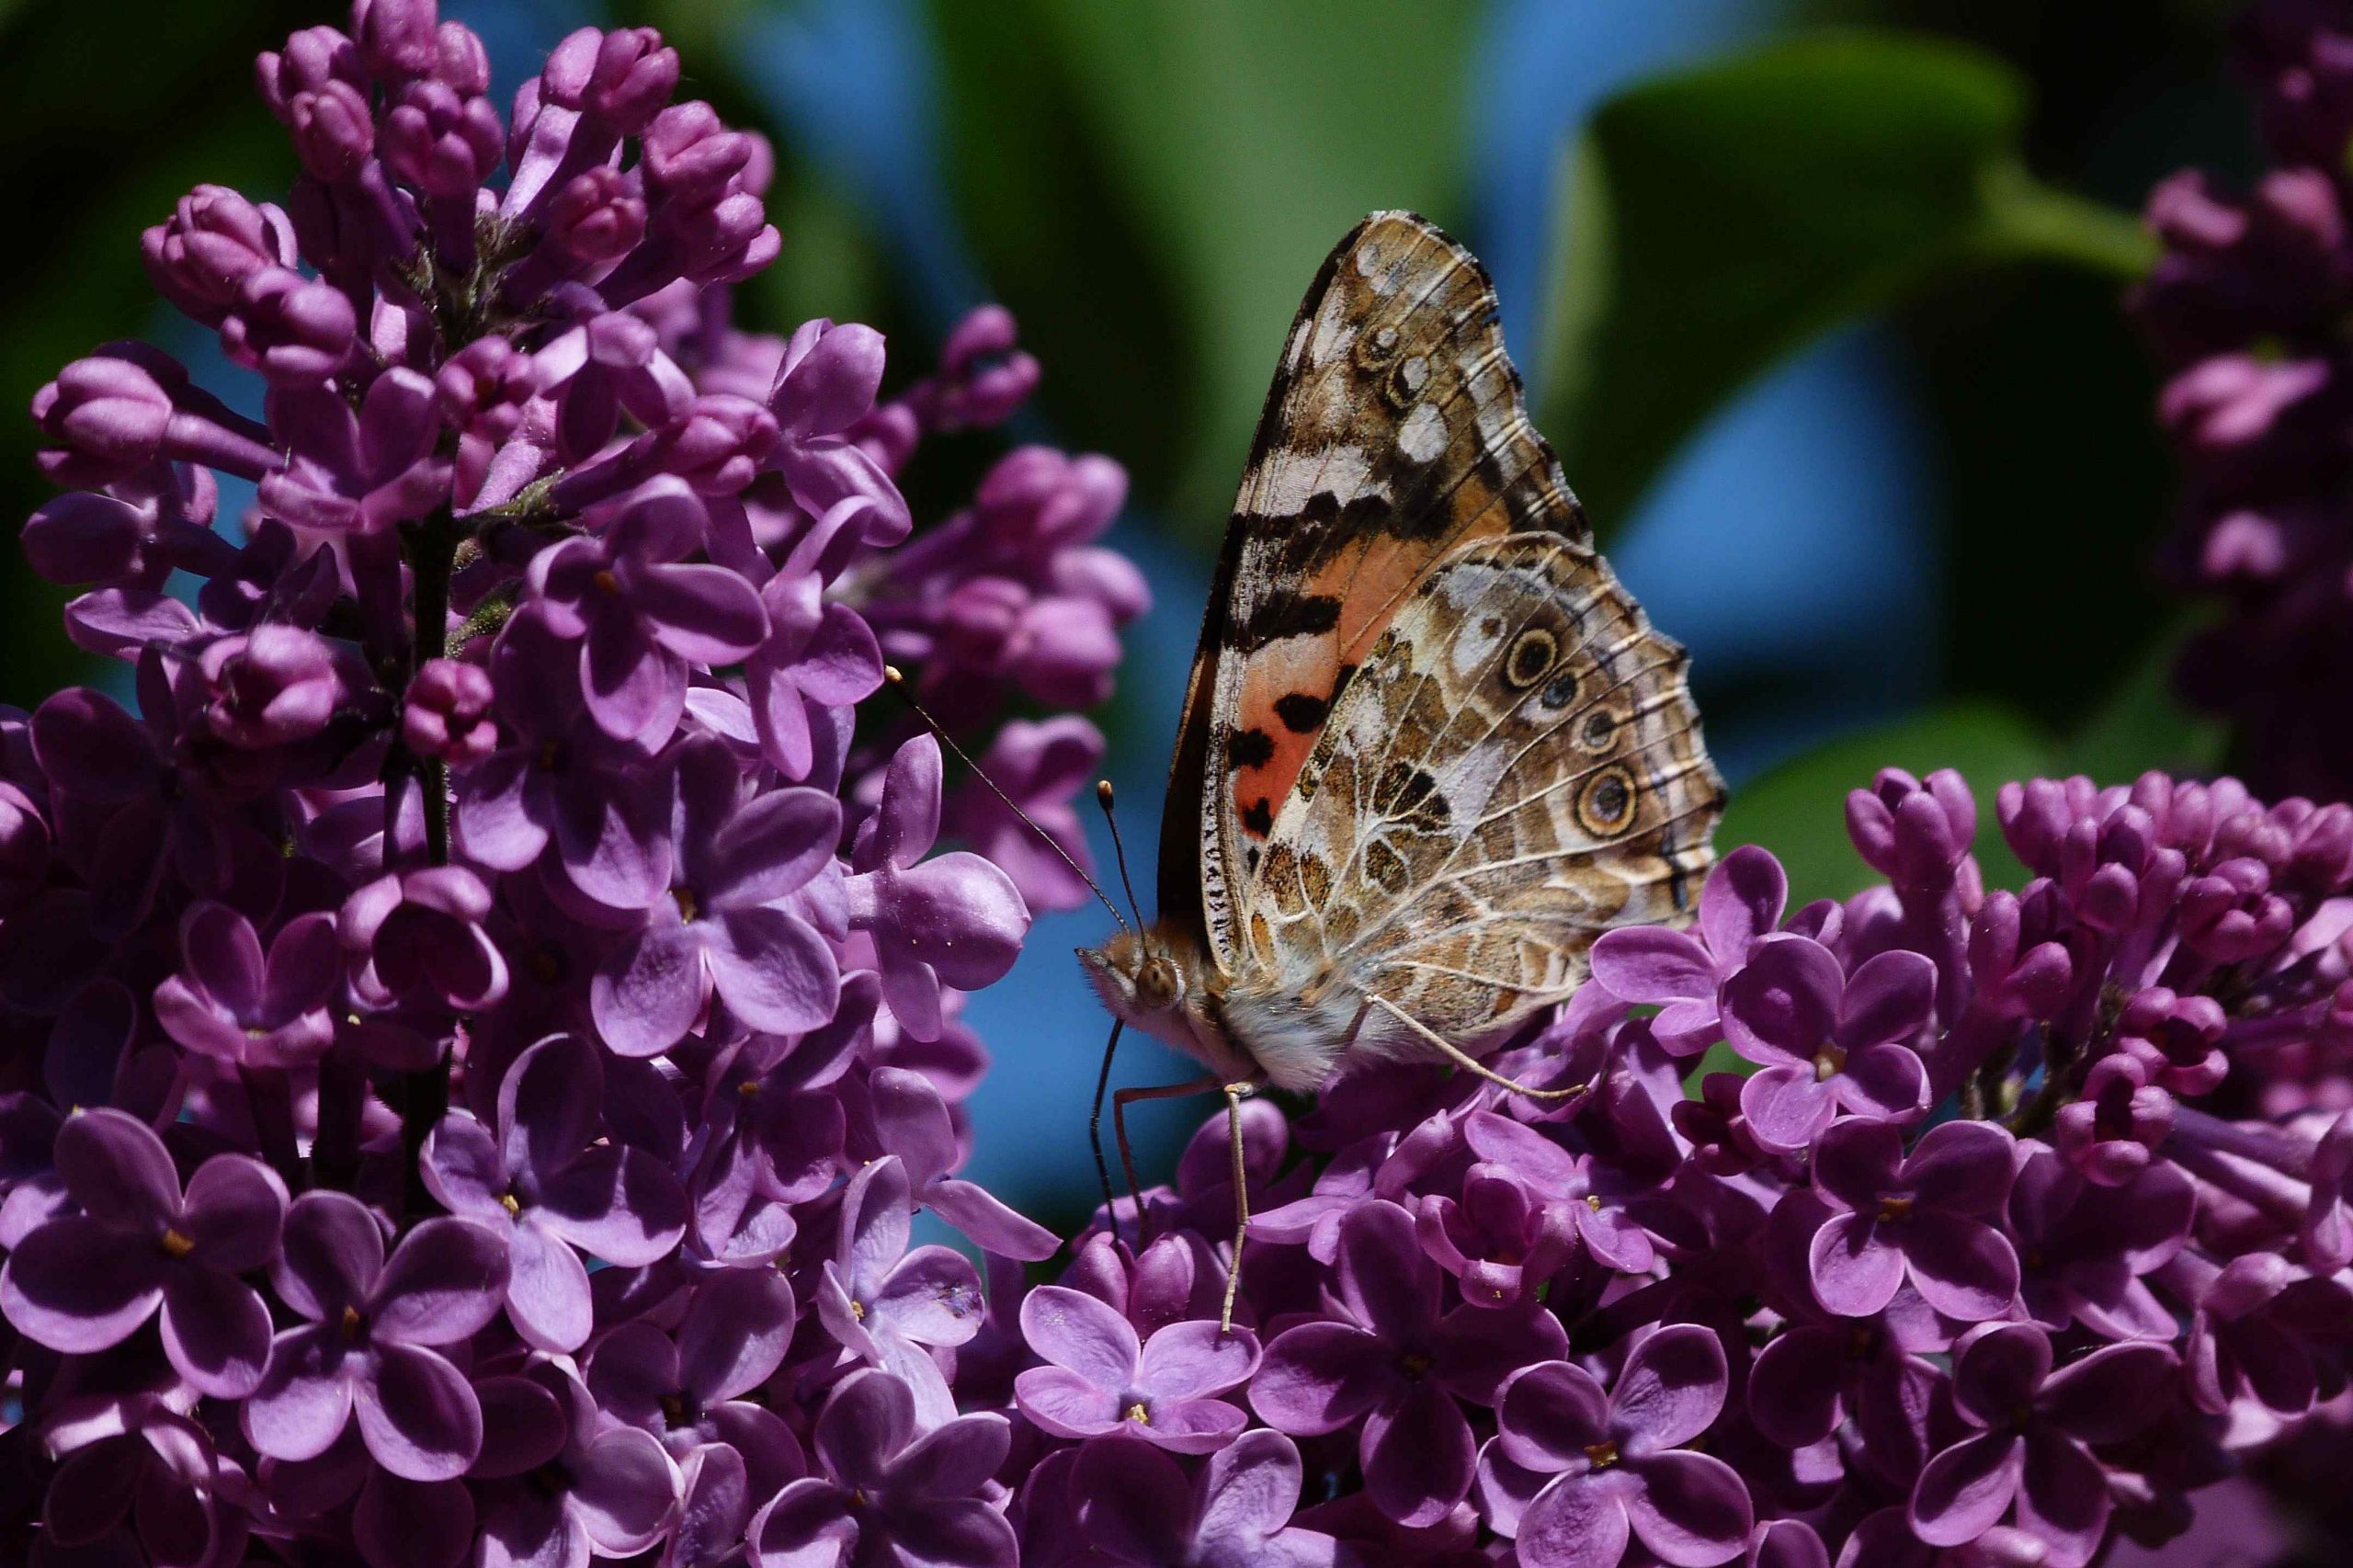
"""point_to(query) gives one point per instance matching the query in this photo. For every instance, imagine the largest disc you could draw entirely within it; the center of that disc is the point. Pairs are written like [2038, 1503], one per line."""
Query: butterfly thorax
[1161, 982]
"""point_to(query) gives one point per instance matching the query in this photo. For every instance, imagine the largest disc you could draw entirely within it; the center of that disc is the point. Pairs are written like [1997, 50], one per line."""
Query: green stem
[2027, 219]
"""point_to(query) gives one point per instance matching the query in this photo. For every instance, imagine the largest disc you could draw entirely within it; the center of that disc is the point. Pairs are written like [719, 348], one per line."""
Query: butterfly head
[1140, 975]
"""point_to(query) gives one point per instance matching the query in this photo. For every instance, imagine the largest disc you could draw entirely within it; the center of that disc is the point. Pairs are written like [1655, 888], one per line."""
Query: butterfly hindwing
[1394, 433]
[1516, 767]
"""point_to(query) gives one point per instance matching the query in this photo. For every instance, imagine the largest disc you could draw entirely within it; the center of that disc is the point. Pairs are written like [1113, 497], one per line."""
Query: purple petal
[987, 1223]
[1854, 1267]
[233, 1213]
[1653, 965]
[1966, 1488]
[523, 1426]
[2110, 1395]
[1963, 1166]
[1389, 1283]
[624, 1491]
[876, 1220]
[1065, 1404]
[1418, 1456]
[1691, 1508]
[862, 1428]
[79, 1286]
[1742, 901]
[547, 1297]
[775, 972]
[417, 1414]
[1192, 1360]
[635, 689]
[216, 1331]
[1965, 1269]
[1884, 1080]
[1788, 1107]
[118, 1170]
[1781, 1007]
[331, 1253]
[964, 1532]
[1671, 1390]
[1191, 1426]
[808, 1524]
[1135, 1503]
[2063, 1497]
[446, 1279]
[1550, 1413]
[933, 1297]
[734, 1334]
[93, 1487]
[1319, 1377]
[1250, 1490]
[910, 1122]
[1857, 1160]
[647, 992]
[1887, 1000]
[909, 821]
[621, 1205]
[548, 1105]
[1795, 1385]
[771, 846]
[305, 1398]
[954, 1460]
[706, 615]
[220, 951]
[1578, 1522]
[461, 1168]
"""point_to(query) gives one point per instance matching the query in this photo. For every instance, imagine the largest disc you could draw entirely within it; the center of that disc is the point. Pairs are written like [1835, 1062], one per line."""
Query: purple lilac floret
[481, 1035]
[2241, 313]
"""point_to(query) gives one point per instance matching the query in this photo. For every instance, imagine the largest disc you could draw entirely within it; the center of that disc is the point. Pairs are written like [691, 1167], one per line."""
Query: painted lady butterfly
[1431, 748]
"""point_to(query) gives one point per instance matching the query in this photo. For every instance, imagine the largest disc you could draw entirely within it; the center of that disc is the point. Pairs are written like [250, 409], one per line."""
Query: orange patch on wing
[1372, 578]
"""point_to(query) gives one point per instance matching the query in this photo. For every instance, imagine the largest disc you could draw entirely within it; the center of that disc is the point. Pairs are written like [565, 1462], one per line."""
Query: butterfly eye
[1606, 805]
[1529, 659]
[1159, 984]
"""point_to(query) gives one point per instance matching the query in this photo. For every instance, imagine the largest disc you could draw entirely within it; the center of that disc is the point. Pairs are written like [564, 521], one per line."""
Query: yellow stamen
[176, 1245]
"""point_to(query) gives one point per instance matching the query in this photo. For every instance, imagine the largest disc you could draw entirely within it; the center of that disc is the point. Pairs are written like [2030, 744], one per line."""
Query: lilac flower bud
[2230, 913]
[296, 331]
[594, 219]
[2108, 1134]
[127, 406]
[270, 687]
[1910, 832]
[312, 58]
[443, 143]
[445, 714]
[200, 257]
[397, 39]
[420, 932]
[828, 380]
[460, 60]
[622, 77]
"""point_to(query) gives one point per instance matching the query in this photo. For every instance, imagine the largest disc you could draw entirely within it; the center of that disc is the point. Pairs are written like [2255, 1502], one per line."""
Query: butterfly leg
[1233, 1093]
[1121, 1100]
[1095, 1132]
[1481, 1069]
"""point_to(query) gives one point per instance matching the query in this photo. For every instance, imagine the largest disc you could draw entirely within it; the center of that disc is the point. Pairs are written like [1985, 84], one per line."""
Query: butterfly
[1430, 748]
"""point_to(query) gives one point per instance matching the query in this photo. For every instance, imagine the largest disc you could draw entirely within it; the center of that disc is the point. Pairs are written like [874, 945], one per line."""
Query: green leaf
[2141, 726]
[1183, 165]
[1717, 219]
[1799, 810]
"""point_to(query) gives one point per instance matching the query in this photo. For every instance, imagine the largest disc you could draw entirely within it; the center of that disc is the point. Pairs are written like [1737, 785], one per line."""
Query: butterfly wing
[1394, 433]
[1516, 767]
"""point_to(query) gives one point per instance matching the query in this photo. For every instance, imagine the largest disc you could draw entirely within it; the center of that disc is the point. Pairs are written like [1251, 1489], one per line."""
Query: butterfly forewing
[1516, 767]
[1394, 432]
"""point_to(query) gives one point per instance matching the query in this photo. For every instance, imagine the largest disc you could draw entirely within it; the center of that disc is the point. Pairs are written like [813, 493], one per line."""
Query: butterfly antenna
[897, 681]
[1119, 849]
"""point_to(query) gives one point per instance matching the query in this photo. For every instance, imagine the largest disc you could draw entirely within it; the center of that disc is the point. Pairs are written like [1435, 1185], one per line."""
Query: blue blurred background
[1865, 430]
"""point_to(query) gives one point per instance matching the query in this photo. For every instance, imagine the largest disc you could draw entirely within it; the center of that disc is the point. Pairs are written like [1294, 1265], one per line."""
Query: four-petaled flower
[1163, 1390]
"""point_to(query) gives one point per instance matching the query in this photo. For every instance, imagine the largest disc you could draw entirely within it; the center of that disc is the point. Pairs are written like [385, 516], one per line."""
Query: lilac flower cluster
[474, 1036]
[2243, 310]
[475, 1042]
[2026, 1215]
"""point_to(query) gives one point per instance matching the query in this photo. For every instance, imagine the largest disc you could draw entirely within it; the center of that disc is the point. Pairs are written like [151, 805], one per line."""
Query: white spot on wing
[1288, 477]
[1422, 438]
